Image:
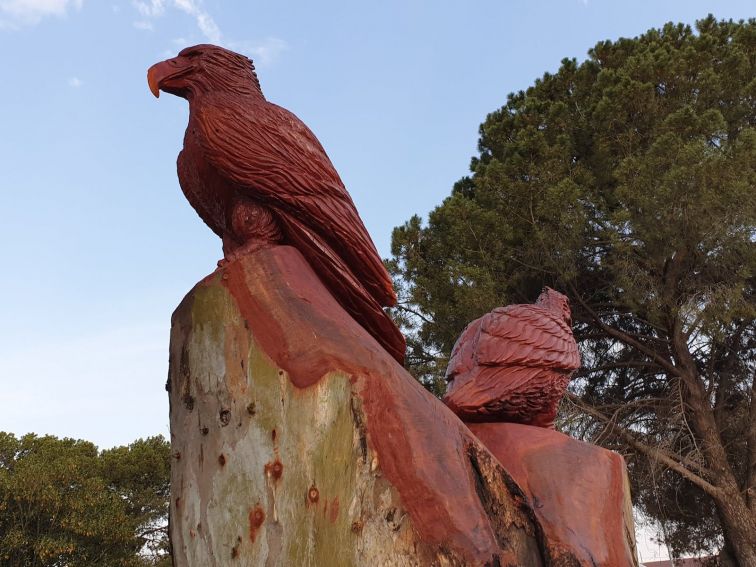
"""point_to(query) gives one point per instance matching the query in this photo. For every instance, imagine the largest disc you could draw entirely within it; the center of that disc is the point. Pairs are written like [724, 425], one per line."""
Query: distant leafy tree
[626, 181]
[62, 503]
[140, 474]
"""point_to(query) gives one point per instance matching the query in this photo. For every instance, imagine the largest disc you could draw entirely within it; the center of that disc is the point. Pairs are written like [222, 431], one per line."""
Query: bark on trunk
[298, 440]
[739, 526]
[738, 521]
[750, 480]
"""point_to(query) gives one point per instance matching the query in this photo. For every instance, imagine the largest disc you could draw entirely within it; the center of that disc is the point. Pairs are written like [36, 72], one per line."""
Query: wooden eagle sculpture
[514, 363]
[258, 177]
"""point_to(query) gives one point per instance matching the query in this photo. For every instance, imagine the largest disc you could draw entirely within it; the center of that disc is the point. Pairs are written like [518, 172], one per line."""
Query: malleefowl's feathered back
[514, 363]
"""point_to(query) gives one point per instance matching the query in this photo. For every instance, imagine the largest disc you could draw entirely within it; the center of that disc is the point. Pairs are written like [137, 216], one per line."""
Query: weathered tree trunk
[298, 440]
[730, 499]
[739, 526]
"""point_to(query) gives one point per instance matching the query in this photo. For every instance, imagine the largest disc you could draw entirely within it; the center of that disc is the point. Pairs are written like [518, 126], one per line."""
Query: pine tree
[627, 182]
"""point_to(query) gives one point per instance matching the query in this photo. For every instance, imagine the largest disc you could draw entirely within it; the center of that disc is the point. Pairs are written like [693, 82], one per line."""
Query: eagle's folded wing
[272, 157]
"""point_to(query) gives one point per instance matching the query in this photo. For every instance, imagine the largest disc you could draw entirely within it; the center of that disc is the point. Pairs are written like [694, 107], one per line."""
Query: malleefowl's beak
[160, 74]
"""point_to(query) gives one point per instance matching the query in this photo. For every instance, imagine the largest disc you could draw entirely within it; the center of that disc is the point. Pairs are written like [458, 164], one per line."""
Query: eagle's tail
[345, 287]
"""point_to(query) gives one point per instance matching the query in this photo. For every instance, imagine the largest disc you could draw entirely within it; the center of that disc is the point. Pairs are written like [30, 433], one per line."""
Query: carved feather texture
[527, 335]
[514, 363]
[520, 394]
[238, 147]
[273, 158]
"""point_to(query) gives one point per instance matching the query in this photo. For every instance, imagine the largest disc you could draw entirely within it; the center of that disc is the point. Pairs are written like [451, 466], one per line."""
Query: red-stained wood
[423, 449]
[260, 340]
[579, 492]
[257, 176]
[514, 363]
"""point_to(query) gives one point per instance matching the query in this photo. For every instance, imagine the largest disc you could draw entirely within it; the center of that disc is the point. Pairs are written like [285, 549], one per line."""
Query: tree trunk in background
[731, 499]
[740, 526]
[297, 440]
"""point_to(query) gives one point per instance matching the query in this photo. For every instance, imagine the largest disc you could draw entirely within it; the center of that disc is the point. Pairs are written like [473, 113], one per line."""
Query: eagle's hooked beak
[153, 81]
[161, 73]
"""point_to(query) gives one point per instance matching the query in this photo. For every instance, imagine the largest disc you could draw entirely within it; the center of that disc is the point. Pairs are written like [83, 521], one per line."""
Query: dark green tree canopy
[627, 182]
[62, 502]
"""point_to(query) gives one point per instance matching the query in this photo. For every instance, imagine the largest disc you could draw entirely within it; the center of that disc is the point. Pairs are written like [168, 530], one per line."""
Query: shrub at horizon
[63, 502]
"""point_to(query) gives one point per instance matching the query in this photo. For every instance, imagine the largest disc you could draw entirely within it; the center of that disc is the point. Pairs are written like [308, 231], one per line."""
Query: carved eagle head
[202, 69]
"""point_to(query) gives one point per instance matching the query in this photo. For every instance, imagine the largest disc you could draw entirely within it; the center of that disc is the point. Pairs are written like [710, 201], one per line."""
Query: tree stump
[297, 440]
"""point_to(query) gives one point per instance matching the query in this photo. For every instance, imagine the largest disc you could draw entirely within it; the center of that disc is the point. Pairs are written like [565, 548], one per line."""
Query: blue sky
[97, 243]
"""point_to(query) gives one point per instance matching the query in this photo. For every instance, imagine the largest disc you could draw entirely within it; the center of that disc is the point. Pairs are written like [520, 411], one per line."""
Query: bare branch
[681, 466]
[403, 307]
[625, 338]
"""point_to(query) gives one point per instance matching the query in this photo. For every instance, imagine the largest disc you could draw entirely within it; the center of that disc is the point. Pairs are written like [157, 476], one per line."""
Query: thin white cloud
[75, 82]
[208, 27]
[264, 52]
[144, 25]
[205, 22]
[15, 13]
[149, 9]
[153, 9]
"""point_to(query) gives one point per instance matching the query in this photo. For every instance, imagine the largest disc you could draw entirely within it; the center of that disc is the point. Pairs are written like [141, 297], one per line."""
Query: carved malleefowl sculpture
[514, 363]
[258, 177]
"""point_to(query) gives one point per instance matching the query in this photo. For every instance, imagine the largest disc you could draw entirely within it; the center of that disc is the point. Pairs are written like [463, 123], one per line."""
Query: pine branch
[625, 338]
[403, 307]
